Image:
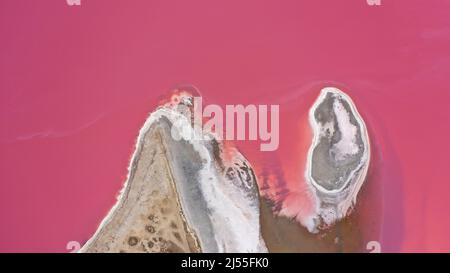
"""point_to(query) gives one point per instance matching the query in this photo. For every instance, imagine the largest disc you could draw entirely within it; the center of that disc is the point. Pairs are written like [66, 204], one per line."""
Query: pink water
[77, 82]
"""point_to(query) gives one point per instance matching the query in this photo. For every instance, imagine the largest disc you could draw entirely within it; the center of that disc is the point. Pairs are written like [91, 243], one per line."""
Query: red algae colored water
[77, 83]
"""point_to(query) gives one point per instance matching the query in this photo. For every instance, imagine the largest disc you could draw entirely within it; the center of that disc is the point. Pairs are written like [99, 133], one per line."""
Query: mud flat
[339, 156]
[184, 193]
[284, 235]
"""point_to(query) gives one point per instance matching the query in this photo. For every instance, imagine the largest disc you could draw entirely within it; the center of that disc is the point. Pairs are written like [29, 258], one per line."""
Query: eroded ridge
[185, 192]
[339, 156]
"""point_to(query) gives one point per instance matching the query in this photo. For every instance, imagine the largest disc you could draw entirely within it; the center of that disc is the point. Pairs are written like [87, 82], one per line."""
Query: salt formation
[339, 156]
[184, 192]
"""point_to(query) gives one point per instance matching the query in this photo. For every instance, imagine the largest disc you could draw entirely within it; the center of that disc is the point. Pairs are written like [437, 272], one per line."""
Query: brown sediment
[350, 234]
[148, 216]
[282, 234]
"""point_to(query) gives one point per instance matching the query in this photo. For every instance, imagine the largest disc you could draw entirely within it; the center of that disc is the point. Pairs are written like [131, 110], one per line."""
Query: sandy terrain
[148, 217]
[182, 195]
